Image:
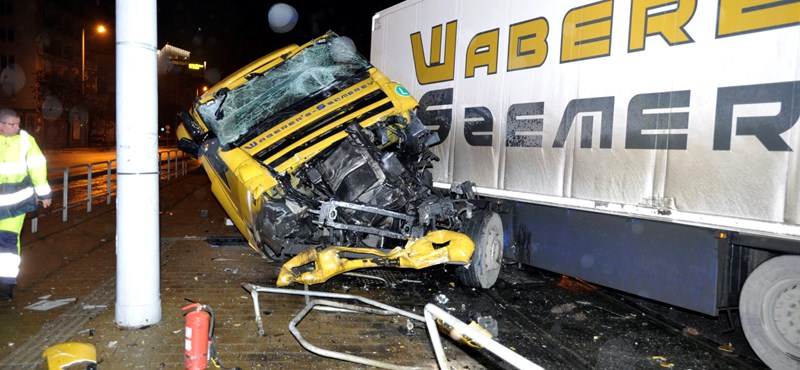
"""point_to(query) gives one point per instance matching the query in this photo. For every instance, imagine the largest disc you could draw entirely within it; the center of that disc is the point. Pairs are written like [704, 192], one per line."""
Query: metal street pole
[83, 60]
[138, 301]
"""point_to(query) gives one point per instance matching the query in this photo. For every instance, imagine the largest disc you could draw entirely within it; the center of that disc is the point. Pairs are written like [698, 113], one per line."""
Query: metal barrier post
[169, 159]
[65, 201]
[89, 188]
[108, 182]
[180, 169]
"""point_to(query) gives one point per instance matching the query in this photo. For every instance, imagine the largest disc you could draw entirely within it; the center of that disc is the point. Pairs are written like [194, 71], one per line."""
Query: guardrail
[172, 165]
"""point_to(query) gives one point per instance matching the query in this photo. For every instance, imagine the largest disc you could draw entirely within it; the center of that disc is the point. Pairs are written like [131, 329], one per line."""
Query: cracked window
[233, 114]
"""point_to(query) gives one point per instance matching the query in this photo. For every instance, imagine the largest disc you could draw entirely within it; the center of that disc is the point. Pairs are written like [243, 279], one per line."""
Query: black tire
[485, 229]
[769, 309]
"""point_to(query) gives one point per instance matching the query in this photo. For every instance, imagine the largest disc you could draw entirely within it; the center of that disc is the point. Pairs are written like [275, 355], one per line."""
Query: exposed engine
[372, 189]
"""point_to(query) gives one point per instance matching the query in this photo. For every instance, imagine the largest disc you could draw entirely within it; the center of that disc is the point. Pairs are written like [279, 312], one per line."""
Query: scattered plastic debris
[690, 331]
[112, 344]
[62, 355]
[662, 361]
[94, 306]
[442, 299]
[411, 281]
[728, 347]
[409, 326]
[574, 285]
[220, 259]
[232, 271]
[564, 308]
[45, 304]
[488, 323]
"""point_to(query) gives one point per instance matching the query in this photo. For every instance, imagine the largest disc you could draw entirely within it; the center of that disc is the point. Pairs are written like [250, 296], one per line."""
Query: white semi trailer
[647, 146]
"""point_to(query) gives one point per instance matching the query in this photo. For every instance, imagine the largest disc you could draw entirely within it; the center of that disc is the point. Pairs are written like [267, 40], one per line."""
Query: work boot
[6, 291]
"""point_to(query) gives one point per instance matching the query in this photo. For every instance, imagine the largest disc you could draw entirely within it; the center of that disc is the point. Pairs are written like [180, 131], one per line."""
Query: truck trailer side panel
[684, 113]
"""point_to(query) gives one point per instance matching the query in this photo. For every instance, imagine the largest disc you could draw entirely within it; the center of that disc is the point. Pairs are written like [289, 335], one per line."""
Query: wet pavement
[554, 321]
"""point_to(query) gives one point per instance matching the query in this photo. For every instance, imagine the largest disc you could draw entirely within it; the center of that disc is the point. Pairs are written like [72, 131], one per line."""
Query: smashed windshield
[231, 115]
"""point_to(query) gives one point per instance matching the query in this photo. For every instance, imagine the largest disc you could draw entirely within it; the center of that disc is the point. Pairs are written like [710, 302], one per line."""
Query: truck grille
[336, 116]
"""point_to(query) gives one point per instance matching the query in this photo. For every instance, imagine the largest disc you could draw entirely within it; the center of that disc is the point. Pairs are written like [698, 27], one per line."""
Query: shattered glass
[233, 114]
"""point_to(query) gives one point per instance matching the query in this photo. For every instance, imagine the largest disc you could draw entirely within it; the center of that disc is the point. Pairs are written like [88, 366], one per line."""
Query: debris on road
[564, 308]
[435, 319]
[46, 304]
[63, 355]
[690, 331]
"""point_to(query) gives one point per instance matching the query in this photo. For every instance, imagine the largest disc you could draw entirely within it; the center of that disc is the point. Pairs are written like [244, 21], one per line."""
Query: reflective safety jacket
[23, 175]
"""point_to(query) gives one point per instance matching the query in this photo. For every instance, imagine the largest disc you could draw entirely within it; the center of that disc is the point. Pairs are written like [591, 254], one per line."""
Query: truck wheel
[485, 229]
[769, 308]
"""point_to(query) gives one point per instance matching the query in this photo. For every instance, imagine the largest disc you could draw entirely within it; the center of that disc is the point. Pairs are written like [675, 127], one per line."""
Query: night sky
[230, 34]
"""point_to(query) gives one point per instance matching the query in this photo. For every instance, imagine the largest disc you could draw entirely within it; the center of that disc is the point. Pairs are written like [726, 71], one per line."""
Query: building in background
[58, 71]
[180, 81]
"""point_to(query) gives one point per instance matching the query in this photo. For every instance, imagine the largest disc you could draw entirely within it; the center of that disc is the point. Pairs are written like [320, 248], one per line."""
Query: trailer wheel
[769, 309]
[486, 230]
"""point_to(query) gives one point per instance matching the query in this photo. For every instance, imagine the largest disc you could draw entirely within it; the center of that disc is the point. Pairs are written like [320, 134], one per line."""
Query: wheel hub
[784, 325]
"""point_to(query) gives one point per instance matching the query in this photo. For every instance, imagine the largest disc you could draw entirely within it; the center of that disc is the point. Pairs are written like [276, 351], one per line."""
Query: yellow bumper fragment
[437, 247]
[62, 355]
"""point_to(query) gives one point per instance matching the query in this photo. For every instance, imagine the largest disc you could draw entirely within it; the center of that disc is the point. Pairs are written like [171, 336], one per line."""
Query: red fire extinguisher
[200, 350]
[199, 331]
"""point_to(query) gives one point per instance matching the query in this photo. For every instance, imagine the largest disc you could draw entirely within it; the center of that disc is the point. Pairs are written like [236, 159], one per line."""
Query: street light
[99, 29]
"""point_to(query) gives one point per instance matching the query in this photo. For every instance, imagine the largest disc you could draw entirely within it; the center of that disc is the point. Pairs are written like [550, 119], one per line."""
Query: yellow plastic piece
[460, 337]
[65, 354]
[416, 254]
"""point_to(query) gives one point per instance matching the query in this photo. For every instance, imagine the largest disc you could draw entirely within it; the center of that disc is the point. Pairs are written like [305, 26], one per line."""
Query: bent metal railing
[99, 178]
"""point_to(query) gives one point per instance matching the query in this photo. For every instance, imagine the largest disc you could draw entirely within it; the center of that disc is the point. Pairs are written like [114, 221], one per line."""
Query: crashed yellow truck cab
[311, 146]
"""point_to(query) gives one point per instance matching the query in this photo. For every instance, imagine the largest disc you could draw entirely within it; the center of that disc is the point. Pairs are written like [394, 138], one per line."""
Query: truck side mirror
[192, 127]
[189, 147]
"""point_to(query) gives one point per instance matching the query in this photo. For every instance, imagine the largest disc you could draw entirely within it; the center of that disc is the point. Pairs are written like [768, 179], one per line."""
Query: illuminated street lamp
[99, 29]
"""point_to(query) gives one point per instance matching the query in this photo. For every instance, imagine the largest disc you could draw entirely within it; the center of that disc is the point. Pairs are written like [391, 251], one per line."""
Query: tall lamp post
[99, 29]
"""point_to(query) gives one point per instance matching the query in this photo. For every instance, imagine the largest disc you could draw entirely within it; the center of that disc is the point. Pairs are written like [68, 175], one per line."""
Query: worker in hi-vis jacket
[23, 182]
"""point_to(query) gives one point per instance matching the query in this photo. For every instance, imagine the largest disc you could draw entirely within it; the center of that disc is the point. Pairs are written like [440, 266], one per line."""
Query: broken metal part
[383, 309]
[333, 354]
[365, 276]
[328, 214]
[434, 313]
[437, 247]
